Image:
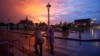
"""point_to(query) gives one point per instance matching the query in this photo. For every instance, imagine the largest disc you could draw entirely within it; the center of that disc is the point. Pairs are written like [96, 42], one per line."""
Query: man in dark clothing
[38, 41]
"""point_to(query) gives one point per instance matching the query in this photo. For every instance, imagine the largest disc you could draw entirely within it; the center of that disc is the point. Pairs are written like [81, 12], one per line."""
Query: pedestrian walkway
[62, 48]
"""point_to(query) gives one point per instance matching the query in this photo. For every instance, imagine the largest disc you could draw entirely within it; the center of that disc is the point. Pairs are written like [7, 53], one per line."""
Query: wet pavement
[63, 47]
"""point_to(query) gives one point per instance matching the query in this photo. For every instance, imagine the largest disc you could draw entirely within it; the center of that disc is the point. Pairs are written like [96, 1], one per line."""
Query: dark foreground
[23, 46]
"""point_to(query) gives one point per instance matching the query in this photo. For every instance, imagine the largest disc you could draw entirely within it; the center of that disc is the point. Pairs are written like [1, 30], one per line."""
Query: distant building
[82, 23]
[2, 25]
[10, 26]
[25, 24]
[97, 26]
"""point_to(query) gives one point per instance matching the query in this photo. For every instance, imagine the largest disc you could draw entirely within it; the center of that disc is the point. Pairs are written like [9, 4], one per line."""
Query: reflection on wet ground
[63, 47]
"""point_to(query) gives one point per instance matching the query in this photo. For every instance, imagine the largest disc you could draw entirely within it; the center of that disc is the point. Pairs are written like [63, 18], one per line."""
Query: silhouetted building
[82, 23]
[10, 25]
[2, 25]
[25, 24]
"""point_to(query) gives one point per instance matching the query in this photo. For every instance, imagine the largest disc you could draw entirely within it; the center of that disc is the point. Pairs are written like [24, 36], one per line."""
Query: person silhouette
[38, 41]
[50, 38]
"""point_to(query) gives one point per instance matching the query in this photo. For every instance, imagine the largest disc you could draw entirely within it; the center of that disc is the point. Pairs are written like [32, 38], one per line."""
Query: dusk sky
[61, 10]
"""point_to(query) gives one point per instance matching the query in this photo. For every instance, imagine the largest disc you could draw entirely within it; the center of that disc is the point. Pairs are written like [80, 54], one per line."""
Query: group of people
[39, 40]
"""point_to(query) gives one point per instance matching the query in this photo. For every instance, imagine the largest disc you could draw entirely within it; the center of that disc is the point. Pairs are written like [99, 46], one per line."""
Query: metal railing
[3, 46]
[8, 48]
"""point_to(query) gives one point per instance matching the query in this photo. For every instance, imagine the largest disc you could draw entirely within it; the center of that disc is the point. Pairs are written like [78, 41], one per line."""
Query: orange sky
[61, 10]
[35, 9]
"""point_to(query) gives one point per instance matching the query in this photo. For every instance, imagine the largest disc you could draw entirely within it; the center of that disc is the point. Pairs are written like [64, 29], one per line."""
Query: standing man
[38, 41]
[50, 38]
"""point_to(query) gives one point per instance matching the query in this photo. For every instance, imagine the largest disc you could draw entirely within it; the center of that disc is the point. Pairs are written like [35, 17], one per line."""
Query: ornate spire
[26, 18]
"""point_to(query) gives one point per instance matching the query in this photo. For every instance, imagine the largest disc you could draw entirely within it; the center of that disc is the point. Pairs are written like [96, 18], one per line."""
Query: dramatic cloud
[35, 9]
[61, 10]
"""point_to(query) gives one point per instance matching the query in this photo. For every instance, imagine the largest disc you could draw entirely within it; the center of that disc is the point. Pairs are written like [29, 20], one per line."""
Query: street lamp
[48, 8]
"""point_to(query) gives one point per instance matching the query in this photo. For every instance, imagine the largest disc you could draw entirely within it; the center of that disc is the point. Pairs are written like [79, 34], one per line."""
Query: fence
[14, 48]
[17, 47]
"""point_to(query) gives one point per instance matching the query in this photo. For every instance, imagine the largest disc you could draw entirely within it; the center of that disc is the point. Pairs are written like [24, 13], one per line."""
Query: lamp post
[48, 8]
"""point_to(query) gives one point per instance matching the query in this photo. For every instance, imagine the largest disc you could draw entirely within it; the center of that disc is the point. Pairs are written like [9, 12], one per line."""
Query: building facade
[82, 23]
[25, 24]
